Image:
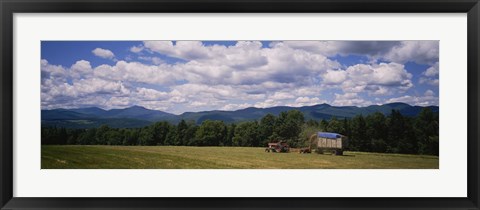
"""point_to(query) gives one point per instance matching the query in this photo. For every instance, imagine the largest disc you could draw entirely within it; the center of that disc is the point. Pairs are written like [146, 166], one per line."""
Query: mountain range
[137, 116]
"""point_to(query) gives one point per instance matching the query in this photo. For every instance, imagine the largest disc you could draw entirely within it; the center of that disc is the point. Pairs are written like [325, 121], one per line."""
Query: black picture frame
[10, 7]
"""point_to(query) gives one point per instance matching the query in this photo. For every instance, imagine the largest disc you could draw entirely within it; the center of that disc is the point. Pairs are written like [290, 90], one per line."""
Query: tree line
[376, 132]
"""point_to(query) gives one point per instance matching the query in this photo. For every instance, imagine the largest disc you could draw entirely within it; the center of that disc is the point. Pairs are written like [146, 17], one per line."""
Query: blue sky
[181, 76]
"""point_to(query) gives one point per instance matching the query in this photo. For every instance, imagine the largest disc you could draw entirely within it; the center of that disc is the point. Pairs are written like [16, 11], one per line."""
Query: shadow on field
[338, 155]
[348, 155]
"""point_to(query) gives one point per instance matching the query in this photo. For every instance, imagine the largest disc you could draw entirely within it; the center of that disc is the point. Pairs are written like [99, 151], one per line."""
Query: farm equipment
[328, 142]
[277, 147]
[305, 150]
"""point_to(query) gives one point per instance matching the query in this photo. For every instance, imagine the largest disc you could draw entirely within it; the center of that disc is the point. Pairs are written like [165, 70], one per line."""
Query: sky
[190, 76]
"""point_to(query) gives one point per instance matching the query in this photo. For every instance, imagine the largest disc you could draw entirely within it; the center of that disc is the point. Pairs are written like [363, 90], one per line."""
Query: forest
[393, 133]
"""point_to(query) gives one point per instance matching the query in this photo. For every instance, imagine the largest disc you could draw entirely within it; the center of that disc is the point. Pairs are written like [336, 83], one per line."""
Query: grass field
[170, 157]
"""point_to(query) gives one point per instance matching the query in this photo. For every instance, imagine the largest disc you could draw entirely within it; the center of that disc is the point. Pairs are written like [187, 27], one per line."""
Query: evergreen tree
[324, 125]
[288, 127]
[100, 135]
[230, 134]
[266, 128]
[427, 132]
[247, 134]
[359, 140]
[396, 128]
[113, 137]
[335, 126]
[130, 137]
[181, 134]
[377, 131]
[190, 133]
[160, 131]
[210, 133]
[145, 136]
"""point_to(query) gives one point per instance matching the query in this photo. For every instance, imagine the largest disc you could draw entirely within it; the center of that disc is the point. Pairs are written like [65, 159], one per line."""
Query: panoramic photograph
[246, 104]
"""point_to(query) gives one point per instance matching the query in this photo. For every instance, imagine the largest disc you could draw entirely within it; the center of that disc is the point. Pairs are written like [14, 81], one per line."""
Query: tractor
[278, 147]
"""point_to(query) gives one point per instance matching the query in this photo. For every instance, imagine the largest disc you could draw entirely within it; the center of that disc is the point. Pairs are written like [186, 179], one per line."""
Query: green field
[173, 157]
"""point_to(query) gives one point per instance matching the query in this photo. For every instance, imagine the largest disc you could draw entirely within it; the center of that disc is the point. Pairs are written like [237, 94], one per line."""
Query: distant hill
[132, 117]
[134, 112]
[137, 116]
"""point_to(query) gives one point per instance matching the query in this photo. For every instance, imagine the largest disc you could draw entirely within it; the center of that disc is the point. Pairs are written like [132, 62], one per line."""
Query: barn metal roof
[329, 135]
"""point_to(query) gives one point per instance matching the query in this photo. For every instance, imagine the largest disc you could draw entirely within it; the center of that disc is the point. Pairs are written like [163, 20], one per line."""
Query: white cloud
[429, 93]
[65, 93]
[181, 49]
[350, 99]
[119, 102]
[99, 86]
[198, 104]
[80, 69]
[332, 48]
[158, 105]
[136, 49]
[177, 100]
[151, 94]
[245, 63]
[422, 52]
[334, 77]
[380, 90]
[390, 74]
[430, 81]
[206, 91]
[307, 101]
[313, 90]
[154, 60]
[231, 77]
[267, 103]
[138, 72]
[82, 66]
[428, 99]
[281, 96]
[103, 53]
[432, 71]
[54, 71]
[376, 79]
[232, 107]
